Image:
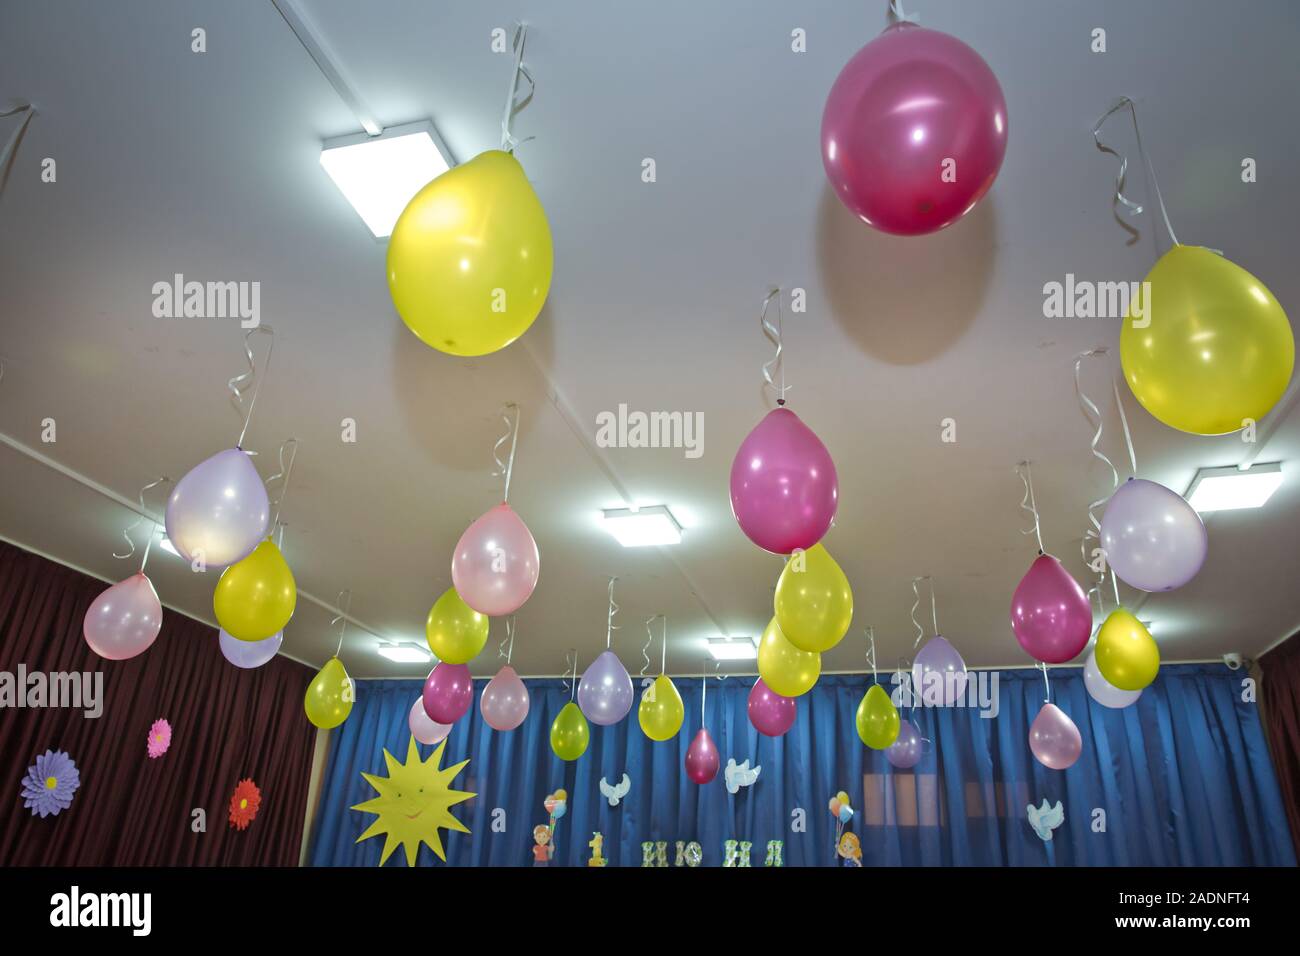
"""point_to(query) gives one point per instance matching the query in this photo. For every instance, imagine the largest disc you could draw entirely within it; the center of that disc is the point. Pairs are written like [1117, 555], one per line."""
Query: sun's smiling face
[414, 800]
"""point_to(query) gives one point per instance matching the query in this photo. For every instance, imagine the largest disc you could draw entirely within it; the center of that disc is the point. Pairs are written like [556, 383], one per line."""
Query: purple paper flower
[50, 784]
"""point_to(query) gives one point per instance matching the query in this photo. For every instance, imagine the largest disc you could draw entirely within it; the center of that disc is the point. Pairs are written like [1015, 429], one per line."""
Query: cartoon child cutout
[850, 849]
[596, 843]
[543, 851]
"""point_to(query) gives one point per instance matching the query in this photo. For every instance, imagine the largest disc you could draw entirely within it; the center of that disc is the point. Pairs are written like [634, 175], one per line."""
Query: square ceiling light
[733, 648]
[1230, 488]
[404, 653]
[380, 174]
[639, 527]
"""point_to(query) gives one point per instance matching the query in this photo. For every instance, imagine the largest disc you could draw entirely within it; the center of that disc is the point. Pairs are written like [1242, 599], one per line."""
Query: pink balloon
[504, 703]
[769, 712]
[1054, 739]
[702, 758]
[124, 620]
[495, 566]
[1050, 614]
[426, 731]
[784, 489]
[914, 131]
[448, 692]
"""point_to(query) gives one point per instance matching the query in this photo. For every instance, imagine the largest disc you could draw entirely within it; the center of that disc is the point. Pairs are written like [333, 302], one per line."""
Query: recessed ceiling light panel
[404, 653]
[1230, 488]
[733, 648]
[639, 527]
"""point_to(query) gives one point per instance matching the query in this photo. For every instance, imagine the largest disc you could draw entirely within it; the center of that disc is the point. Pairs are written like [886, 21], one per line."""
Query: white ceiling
[206, 165]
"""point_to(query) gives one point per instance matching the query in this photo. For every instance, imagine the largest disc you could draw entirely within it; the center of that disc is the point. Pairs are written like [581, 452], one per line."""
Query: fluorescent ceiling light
[380, 174]
[404, 653]
[733, 649]
[638, 527]
[1230, 488]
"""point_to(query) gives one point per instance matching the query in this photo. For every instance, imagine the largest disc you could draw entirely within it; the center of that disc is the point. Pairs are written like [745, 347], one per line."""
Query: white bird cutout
[1045, 819]
[616, 793]
[739, 775]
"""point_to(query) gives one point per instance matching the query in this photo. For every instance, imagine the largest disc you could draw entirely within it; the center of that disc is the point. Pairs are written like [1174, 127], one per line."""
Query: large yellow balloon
[255, 597]
[813, 602]
[1214, 349]
[1127, 655]
[877, 719]
[570, 733]
[329, 695]
[661, 711]
[455, 631]
[786, 669]
[470, 259]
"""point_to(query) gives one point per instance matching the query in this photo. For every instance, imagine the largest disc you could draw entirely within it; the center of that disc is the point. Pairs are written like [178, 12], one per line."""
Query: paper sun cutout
[414, 800]
[50, 783]
[160, 738]
[244, 803]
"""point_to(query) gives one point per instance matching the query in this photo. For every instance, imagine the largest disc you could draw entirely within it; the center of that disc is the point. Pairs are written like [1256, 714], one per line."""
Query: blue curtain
[1181, 778]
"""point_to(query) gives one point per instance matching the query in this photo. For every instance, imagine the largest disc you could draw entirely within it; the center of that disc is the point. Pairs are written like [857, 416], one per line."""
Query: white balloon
[1102, 690]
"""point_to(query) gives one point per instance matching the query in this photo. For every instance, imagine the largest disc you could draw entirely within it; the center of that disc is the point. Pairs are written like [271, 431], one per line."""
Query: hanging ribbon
[774, 335]
[283, 475]
[571, 685]
[10, 151]
[920, 631]
[506, 468]
[508, 639]
[611, 627]
[153, 529]
[1046, 683]
[240, 382]
[1093, 414]
[871, 652]
[513, 101]
[1123, 420]
[1028, 503]
[896, 8]
[342, 617]
[1134, 209]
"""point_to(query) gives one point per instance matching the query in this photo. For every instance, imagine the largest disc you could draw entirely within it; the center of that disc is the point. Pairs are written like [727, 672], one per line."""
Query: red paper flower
[244, 803]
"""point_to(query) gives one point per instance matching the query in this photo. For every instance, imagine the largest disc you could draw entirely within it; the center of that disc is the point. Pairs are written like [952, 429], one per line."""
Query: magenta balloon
[124, 619]
[939, 674]
[605, 691]
[784, 489]
[1050, 614]
[448, 692]
[494, 568]
[914, 131]
[219, 511]
[424, 730]
[702, 758]
[1154, 540]
[504, 703]
[905, 752]
[1054, 739]
[1102, 690]
[769, 712]
[250, 654]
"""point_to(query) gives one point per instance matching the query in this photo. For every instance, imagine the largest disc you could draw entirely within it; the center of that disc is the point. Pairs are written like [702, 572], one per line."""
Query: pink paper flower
[160, 738]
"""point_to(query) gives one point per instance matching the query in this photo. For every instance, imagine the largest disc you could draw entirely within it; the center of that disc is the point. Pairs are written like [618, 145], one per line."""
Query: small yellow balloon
[562, 794]
[455, 631]
[329, 695]
[843, 798]
[470, 258]
[255, 597]
[813, 602]
[661, 711]
[786, 669]
[1127, 655]
[1208, 347]
[570, 735]
[877, 719]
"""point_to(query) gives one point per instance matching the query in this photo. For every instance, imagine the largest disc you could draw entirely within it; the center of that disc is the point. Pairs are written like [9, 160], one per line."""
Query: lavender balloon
[124, 619]
[1154, 539]
[1050, 614]
[495, 565]
[1102, 690]
[219, 511]
[769, 712]
[504, 703]
[448, 692]
[939, 674]
[1054, 739]
[605, 691]
[905, 752]
[250, 654]
[424, 730]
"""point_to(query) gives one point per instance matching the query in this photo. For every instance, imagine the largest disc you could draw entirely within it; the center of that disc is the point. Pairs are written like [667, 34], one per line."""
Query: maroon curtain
[1280, 694]
[227, 724]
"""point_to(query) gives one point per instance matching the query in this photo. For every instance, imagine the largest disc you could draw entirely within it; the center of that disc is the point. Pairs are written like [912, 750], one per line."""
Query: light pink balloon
[426, 730]
[1054, 738]
[124, 620]
[495, 565]
[1050, 614]
[504, 703]
[702, 758]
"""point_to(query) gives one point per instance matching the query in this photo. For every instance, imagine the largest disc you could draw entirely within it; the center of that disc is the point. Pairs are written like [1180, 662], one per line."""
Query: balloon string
[774, 334]
[1123, 420]
[506, 468]
[649, 639]
[572, 684]
[279, 534]
[1029, 503]
[704, 689]
[611, 627]
[1046, 684]
[10, 151]
[342, 617]
[900, 16]
[241, 381]
[920, 631]
[502, 651]
[1093, 414]
[1114, 582]
[284, 473]
[1134, 209]
[871, 653]
[153, 529]
[663, 663]
[513, 103]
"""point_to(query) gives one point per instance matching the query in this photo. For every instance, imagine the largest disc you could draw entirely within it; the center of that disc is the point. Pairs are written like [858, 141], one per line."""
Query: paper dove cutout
[616, 793]
[1045, 819]
[739, 775]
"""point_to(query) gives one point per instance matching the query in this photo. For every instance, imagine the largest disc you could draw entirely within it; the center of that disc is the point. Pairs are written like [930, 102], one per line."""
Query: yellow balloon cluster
[786, 669]
[329, 695]
[255, 597]
[813, 602]
[1207, 346]
[1127, 655]
[661, 711]
[877, 719]
[470, 258]
[570, 733]
[455, 631]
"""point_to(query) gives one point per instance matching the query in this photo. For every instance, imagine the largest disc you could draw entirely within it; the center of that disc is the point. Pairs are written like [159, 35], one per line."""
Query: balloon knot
[780, 401]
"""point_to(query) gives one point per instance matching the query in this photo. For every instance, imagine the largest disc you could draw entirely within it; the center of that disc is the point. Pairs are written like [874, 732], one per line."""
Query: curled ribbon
[1093, 414]
[508, 639]
[506, 468]
[896, 8]
[773, 333]
[1029, 504]
[611, 627]
[1134, 209]
[11, 147]
[126, 532]
[513, 103]
[571, 684]
[283, 475]
[240, 382]
[342, 617]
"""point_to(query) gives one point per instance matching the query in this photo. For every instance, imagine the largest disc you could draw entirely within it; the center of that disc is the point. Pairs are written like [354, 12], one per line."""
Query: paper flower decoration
[50, 783]
[160, 738]
[244, 803]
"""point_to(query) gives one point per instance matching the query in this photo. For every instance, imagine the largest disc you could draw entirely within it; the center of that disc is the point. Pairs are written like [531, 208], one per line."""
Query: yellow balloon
[1215, 347]
[843, 798]
[661, 711]
[877, 719]
[329, 695]
[813, 603]
[569, 734]
[1127, 655]
[255, 597]
[455, 631]
[470, 258]
[786, 669]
